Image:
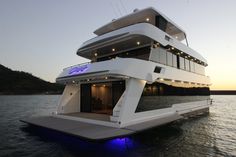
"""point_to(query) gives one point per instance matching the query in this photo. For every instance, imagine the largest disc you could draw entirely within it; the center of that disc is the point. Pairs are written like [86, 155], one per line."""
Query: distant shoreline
[223, 92]
[36, 93]
[212, 92]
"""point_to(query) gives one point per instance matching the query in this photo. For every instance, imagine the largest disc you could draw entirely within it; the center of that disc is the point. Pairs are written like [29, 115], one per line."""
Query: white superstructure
[141, 74]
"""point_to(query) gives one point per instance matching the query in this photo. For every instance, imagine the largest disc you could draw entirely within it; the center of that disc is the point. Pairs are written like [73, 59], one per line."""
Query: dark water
[208, 135]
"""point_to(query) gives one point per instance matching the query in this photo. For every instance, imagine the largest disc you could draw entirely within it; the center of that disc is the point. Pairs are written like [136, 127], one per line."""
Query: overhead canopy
[146, 15]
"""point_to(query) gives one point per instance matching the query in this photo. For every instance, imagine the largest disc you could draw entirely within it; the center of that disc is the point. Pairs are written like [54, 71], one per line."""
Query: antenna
[123, 6]
[114, 10]
[118, 8]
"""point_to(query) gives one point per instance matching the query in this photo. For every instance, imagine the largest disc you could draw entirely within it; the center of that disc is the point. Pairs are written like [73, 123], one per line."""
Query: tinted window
[187, 65]
[192, 69]
[159, 95]
[162, 56]
[169, 59]
[181, 63]
[155, 55]
[174, 60]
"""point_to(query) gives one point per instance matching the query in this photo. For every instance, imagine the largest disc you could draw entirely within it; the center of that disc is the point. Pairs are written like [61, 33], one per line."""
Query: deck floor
[95, 116]
[77, 128]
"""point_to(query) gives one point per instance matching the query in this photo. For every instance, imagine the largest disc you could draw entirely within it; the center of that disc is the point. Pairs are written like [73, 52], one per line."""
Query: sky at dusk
[41, 37]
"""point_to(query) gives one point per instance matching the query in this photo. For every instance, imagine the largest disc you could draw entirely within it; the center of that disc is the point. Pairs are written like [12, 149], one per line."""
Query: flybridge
[148, 15]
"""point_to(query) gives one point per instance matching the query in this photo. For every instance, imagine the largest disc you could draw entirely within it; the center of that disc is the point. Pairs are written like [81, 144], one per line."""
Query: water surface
[208, 135]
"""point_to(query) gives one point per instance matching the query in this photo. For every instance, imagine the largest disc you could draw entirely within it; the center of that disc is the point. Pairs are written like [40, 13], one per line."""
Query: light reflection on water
[208, 135]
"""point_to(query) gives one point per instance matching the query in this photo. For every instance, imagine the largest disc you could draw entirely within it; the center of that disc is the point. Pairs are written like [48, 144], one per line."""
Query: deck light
[181, 52]
[87, 79]
[94, 85]
[73, 81]
[172, 80]
[161, 79]
[172, 48]
[106, 78]
[113, 49]
[95, 54]
[138, 43]
[147, 19]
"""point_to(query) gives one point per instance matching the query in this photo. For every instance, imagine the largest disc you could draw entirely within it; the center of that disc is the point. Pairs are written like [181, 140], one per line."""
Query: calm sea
[208, 135]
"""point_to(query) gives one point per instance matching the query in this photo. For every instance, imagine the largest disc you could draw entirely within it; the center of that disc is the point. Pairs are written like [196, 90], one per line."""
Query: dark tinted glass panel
[159, 95]
[161, 23]
[141, 53]
[157, 69]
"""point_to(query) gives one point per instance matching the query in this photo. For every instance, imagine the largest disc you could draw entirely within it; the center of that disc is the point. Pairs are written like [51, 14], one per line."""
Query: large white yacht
[142, 74]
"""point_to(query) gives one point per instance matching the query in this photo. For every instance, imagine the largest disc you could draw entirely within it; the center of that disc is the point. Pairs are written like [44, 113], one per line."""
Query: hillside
[18, 82]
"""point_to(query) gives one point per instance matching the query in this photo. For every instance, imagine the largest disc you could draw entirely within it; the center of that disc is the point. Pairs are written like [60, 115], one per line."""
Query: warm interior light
[94, 85]
[147, 19]
[104, 85]
[161, 79]
[113, 49]
[138, 43]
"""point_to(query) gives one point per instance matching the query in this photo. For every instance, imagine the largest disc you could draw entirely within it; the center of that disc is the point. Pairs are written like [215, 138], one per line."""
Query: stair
[116, 111]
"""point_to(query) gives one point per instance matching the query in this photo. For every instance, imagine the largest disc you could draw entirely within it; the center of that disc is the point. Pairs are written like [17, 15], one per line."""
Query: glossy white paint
[135, 72]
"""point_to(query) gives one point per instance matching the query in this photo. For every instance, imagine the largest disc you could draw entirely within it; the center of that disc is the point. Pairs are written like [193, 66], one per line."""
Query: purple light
[120, 142]
[78, 70]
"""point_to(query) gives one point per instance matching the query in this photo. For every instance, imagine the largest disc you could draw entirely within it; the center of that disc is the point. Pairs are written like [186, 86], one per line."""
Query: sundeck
[142, 74]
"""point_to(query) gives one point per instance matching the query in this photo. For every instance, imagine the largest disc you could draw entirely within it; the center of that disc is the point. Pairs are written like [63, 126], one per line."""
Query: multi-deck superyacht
[142, 74]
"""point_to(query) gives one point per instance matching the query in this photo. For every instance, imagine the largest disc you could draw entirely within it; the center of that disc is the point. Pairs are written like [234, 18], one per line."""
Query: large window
[181, 63]
[192, 67]
[141, 53]
[159, 95]
[199, 69]
[101, 97]
[162, 56]
[174, 61]
[161, 23]
[169, 58]
[187, 65]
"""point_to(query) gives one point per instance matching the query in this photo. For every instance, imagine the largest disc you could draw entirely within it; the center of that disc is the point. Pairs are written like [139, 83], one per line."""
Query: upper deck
[147, 35]
[148, 15]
